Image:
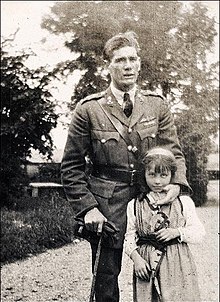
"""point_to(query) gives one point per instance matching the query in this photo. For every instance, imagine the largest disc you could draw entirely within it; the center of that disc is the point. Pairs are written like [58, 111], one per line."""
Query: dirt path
[64, 274]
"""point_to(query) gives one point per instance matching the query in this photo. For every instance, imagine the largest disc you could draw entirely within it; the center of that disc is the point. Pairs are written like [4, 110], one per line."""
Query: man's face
[124, 68]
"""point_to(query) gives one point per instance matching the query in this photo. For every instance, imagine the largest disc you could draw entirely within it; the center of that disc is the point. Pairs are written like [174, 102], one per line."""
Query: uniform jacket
[92, 133]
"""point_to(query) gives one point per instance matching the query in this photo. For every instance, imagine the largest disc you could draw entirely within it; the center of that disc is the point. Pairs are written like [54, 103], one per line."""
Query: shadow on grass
[212, 202]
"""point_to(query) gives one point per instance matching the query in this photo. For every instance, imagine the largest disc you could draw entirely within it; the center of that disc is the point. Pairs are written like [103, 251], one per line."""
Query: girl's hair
[161, 160]
[128, 38]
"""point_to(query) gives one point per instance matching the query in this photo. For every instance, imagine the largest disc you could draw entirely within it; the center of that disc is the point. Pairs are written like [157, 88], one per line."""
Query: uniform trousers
[109, 268]
[106, 287]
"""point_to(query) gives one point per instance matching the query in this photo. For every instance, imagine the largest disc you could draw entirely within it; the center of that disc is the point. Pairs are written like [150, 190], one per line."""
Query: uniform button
[103, 140]
[134, 149]
[129, 130]
[132, 166]
[109, 100]
[129, 148]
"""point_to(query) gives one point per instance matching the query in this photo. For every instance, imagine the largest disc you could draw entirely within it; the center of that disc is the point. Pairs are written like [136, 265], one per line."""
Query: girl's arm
[141, 268]
[131, 234]
[193, 231]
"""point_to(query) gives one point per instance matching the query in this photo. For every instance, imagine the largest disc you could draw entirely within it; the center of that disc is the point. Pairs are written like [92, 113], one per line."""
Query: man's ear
[139, 61]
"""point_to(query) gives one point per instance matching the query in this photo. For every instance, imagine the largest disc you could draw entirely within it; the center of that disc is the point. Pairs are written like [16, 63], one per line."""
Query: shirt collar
[119, 94]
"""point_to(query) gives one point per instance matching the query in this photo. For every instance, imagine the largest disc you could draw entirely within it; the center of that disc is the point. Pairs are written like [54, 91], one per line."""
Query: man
[115, 130]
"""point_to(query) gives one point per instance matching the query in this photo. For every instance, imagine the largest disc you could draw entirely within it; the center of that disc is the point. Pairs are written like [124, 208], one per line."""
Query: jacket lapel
[137, 110]
[112, 105]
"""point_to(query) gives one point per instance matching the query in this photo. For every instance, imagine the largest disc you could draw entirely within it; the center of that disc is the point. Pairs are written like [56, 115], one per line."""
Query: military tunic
[92, 133]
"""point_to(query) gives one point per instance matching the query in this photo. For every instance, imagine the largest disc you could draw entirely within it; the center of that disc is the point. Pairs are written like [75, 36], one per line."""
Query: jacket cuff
[82, 213]
[185, 189]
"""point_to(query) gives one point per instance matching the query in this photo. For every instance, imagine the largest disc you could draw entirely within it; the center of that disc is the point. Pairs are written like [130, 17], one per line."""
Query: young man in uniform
[115, 128]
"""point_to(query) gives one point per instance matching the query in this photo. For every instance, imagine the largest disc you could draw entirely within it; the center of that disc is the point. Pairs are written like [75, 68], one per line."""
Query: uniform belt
[130, 177]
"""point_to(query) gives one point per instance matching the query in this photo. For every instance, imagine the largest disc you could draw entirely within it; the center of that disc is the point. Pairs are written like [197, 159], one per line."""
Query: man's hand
[172, 191]
[168, 234]
[94, 220]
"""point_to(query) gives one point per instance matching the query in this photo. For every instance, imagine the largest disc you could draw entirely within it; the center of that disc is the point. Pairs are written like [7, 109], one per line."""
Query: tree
[174, 46]
[89, 24]
[27, 117]
[200, 95]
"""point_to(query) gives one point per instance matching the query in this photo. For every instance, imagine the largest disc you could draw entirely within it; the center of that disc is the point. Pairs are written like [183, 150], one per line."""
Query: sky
[27, 15]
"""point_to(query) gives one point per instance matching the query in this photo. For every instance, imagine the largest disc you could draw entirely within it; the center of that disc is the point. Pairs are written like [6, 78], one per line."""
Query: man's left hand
[172, 191]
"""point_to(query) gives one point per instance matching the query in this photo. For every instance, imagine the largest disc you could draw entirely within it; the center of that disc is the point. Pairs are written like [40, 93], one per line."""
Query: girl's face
[157, 181]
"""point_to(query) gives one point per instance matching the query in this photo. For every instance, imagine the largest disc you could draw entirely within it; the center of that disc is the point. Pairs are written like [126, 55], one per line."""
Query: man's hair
[128, 38]
[160, 161]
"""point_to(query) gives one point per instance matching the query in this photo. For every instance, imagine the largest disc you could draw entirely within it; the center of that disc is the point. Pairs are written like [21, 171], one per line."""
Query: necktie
[127, 105]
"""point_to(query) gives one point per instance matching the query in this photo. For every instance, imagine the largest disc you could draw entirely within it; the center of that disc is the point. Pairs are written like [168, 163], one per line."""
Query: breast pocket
[104, 143]
[148, 137]
[148, 132]
[104, 136]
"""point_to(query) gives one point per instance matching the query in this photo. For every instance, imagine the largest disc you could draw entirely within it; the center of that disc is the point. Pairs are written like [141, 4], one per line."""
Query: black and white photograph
[109, 151]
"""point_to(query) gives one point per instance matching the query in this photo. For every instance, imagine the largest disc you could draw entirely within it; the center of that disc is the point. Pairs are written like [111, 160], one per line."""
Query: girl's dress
[173, 274]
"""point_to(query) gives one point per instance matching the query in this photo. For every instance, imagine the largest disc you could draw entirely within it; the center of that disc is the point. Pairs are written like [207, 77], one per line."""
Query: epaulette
[151, 93]
[94, 96]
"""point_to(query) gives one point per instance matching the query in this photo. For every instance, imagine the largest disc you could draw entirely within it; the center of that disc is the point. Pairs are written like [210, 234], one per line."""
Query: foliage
[48, 172]
[27, 116]
[13, 179]
[196, 147]
[89, 24]
[174, 44]
[34, 225]
[27, 111]
[200, 96]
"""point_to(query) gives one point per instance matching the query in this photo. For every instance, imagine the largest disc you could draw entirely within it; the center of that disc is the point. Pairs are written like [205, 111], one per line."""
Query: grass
[34, 225]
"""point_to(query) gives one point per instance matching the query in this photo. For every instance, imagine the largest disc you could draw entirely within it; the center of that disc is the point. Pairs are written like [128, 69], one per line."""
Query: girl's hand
[168, 234]
[141, 267]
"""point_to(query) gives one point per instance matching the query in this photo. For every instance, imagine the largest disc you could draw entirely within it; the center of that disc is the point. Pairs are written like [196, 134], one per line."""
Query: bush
[34, 225]
[197, 176]
[13, 178]
[196, 145]
[48, 172]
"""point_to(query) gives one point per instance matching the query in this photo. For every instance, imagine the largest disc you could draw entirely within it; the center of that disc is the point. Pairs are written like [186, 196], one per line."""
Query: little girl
[157, 236]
